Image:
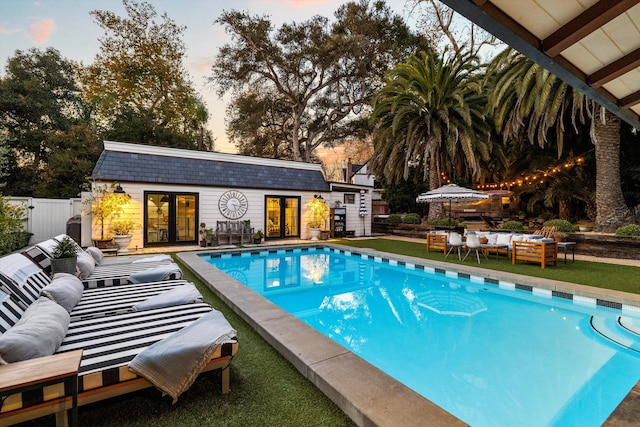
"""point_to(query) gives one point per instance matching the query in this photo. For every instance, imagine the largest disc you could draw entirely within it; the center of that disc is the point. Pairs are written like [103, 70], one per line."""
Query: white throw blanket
[183, 294]
[174, 363]
[156, 274]
[155, 258]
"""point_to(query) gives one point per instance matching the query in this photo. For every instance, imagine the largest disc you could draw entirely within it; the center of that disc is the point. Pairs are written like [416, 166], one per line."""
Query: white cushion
[65, 289]
[503, 238]
[96, 253]
[492, 238]
[38, 333]
[86, 264]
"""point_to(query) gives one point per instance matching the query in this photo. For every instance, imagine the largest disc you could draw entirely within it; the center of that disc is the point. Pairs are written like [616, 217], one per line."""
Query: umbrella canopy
[451, 193]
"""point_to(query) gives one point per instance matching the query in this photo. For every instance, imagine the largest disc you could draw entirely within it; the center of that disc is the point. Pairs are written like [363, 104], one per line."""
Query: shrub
[10, 242]
[628, 230]
[561, 225]
[394, 219]
[412, 218]
[512, 225]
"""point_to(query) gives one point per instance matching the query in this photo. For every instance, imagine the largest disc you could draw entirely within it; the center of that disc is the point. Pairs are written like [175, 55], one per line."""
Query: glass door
[282, 217]
[170, 218]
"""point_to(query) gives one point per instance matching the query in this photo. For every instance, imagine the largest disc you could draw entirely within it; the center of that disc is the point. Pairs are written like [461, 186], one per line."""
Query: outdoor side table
[497, 247]
[37, 373]
[564, 246]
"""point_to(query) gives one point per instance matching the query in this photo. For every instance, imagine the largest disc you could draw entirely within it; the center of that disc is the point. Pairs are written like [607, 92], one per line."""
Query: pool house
[173, 191]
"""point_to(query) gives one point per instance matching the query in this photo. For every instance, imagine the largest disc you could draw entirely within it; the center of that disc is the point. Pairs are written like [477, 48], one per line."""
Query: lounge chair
[109, 345]
[110, 334]
[97, 276]
[27, 281]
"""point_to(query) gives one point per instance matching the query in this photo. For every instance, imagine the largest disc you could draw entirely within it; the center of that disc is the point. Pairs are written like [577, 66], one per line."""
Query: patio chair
[473, 244]
[455, 242]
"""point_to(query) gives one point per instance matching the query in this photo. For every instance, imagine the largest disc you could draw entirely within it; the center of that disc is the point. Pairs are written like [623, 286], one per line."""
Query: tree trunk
[611, 210]
[564, 209]
[436, 210]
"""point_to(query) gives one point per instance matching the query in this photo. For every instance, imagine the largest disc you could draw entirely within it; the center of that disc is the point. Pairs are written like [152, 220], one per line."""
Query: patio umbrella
[363, 210]
[451, 193]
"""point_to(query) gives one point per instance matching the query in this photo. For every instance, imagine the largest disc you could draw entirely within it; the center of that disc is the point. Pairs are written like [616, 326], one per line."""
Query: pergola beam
[584, 24]
[614, 70]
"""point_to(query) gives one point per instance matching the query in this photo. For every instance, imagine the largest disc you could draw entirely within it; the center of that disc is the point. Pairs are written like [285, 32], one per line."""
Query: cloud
[8, 31]
[202, 65]
[41, 30]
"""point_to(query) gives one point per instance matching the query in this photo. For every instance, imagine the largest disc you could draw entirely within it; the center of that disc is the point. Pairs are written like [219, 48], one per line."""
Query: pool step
[623, 331]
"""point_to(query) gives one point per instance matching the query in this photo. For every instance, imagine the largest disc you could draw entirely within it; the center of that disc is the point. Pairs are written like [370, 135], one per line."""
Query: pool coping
[366, 394]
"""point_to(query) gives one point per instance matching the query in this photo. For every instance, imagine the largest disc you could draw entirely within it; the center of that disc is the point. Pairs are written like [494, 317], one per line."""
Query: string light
[537, 177]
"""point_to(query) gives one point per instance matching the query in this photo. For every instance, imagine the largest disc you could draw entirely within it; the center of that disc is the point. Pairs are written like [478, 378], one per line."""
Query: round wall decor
[233, 204]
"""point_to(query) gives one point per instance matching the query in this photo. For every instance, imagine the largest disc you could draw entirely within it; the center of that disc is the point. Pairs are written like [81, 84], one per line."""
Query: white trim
[127, 147]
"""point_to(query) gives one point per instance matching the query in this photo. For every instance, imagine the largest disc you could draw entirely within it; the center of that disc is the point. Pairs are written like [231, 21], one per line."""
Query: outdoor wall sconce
[119, 190]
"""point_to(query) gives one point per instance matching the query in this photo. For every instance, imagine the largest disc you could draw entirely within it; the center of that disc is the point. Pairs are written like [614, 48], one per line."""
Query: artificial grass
[266, 390]
[602, 275]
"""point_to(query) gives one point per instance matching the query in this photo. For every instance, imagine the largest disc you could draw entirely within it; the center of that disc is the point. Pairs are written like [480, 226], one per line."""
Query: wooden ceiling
[593, 45]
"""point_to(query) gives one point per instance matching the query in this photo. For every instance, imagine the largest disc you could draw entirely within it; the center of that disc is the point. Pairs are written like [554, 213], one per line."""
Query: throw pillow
[65, 289]
[96, 253]
[86, 264]
[38, 333]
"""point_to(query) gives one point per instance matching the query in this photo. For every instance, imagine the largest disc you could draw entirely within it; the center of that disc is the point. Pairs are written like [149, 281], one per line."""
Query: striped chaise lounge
[26, 280]
[101, 276]
[109, 343]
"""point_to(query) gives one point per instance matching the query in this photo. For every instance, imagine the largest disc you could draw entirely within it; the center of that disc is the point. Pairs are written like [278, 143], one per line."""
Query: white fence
[47, 217]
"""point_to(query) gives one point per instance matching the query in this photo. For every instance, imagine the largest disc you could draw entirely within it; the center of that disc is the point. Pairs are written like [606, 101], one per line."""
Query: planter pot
[122, 241]
[203, 243]
[584, 228]
[315, 232]
[64, 265]
[257, 240]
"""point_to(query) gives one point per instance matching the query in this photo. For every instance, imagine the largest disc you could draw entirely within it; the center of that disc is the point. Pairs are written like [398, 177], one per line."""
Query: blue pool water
[491, 354]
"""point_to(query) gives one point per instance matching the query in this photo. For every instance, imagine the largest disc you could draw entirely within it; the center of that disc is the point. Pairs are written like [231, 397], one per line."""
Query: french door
[282, 217]
[170, 218]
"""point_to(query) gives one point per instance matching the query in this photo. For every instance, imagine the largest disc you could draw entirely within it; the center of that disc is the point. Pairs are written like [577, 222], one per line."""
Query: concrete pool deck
[363, 392]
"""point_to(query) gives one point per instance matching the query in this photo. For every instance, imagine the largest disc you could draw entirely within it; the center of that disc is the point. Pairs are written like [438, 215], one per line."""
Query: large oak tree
[137, 84]
[311, 81]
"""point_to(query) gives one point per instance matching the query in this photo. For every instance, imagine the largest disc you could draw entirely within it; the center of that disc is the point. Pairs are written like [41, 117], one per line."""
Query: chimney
[348, 177]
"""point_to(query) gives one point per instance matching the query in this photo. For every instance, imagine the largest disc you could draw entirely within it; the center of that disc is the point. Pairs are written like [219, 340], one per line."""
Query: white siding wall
[208, 209]
[361, 225]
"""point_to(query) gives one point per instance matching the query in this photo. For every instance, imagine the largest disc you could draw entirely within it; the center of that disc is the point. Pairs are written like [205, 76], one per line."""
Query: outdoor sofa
[109, 332]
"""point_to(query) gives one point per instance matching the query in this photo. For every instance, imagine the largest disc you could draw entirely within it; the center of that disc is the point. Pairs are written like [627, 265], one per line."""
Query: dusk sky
[67, 26]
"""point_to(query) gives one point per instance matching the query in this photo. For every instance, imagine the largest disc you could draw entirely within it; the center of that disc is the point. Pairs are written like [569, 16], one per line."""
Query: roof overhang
[594, 46]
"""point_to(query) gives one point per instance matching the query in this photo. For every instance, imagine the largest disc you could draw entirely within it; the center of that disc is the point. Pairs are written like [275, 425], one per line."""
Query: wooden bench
[437, 241]
[541, 252]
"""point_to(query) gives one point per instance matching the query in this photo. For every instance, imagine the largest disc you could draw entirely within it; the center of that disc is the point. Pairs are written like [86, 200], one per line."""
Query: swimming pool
[486, 351]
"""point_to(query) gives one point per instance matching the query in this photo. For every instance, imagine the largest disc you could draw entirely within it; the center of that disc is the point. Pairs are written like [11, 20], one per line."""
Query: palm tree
[430, 115]
[526, 97]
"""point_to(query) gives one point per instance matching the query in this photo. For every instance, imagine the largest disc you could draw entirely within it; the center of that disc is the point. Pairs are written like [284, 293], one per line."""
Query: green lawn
[267, 390]
[601, 275]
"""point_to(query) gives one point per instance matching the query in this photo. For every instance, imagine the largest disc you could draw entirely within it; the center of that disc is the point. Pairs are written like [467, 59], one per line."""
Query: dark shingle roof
[136, 167]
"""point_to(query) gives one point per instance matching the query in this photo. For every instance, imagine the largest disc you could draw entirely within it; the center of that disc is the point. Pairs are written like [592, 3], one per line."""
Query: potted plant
[203, 234]
[210, 237]
[121, 230]
[257, 237]
[65, 256]
[318, 213]
[106, 201]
